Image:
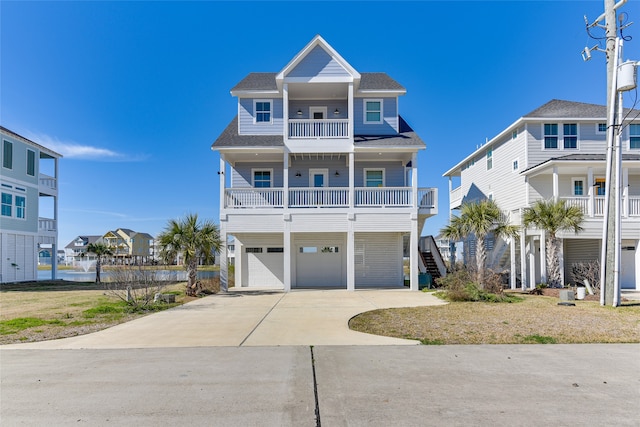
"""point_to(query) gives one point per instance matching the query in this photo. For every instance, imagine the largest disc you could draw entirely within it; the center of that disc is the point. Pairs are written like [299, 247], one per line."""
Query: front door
[318, 178]
[318, 113]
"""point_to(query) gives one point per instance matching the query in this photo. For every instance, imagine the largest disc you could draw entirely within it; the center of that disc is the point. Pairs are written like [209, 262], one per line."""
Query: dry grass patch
[536, 319]
[41, 311]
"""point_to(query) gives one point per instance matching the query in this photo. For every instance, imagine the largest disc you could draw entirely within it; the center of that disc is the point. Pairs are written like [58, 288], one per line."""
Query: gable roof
[317, 41]
[42, 148]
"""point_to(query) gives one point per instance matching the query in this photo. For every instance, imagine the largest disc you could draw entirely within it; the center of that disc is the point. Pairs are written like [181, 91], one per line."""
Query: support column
[555, 184]
[414, 180]
[285, 180]
[287, 252]
[561, 261]
[543, 257]
[350, 108]
[224, 261]
[591, 208]
[512, 255]
[351, 253]
[532, 262]
[523, 260]
[625, 192]
[352, 180]
[413, 251]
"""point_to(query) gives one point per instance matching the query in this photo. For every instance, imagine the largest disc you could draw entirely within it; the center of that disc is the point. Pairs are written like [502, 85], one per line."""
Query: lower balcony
[386, 197]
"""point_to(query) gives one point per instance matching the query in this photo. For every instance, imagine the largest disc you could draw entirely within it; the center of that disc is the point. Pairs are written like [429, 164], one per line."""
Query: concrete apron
[252, 318]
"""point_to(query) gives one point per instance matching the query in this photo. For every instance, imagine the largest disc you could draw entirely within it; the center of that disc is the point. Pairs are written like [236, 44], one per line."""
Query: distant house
[129, 247]
[76, 250]
[29, 225]
[318, 178]
[557, 151]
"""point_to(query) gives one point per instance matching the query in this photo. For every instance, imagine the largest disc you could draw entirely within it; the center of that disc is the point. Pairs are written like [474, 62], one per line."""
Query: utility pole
[607, 285]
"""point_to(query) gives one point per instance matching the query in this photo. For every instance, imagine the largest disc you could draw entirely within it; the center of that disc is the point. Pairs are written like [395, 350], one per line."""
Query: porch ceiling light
[298, 174]
[299, 112]
[336, 112]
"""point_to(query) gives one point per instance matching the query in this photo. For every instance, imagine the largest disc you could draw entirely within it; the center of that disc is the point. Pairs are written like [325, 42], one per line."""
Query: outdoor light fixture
[337, 173]
[336, 112]
[299, 112]
[298, 174]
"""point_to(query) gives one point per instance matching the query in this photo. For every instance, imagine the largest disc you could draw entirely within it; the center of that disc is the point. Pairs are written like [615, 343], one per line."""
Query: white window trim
[584, 186]
[322, 110]
[253, 176]
[14, 206]
[560, 136]
[320, 171]
[598, 131]
[364, 111]
[255, 112]
[629, 138]
[489, 158]
[515, 165]
[364, 176]
[514, 134]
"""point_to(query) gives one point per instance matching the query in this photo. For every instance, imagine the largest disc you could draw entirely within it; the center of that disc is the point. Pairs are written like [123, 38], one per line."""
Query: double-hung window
[7, 204]
[489, 159]
[634, 136]
[601, 128]
[7, 154]
[374, 178]
[373, 111]
[550, 135]
[577, 185]
[262, 109]
[570, 132]
[262, 178]
[21, 208]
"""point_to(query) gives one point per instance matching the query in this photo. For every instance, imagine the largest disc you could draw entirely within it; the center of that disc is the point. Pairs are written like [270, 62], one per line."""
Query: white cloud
[73, 150]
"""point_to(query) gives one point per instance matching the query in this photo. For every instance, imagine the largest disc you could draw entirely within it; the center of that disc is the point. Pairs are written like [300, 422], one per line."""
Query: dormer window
[373, 111]
[263, 110]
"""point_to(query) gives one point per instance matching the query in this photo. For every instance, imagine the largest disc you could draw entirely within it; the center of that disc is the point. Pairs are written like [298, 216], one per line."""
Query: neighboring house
[29, 223]
[319, 178]
[557, 151]
[129, 247]
[76, 250]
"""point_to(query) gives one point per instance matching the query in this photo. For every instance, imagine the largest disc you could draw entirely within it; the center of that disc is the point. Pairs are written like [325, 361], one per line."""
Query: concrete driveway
[252, 318]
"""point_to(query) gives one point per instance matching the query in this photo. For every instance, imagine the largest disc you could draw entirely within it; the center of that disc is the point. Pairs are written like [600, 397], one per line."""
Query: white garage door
[319, 266]
[265, 269]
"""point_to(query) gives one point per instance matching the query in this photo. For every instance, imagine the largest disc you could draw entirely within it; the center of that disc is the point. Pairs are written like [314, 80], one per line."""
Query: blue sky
[134, 93]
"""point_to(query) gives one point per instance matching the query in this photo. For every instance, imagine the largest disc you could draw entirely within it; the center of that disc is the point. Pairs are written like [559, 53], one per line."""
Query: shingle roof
[230, 138]
[267, 81]
[557, 108]
[257, 81]
[601, 157]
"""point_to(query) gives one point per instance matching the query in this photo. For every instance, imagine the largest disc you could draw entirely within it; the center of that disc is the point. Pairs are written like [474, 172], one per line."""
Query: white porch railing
[581, 202]
[328, 197]
[384, 196]
[634, 205]
[455, 197]
[325, 128]
[253, 198]
[47, 182]
[46, 224]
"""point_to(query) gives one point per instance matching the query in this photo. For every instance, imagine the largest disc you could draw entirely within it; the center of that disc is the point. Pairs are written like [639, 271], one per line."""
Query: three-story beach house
[557, 151]
[318, 178]
[29, 212]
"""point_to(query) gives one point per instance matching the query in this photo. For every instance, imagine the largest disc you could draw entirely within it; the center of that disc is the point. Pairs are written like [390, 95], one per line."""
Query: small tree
[480, 219]
[552, 217]
[194, 240]
[100, 249]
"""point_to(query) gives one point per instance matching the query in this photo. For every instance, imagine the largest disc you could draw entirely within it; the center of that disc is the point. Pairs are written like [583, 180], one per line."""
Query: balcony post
[414, 180]
[625, 192]
[285, 180]
[350, 108]
[285, 110]
[591, 209]
[351, 181]
[221, 172]
[555, 183]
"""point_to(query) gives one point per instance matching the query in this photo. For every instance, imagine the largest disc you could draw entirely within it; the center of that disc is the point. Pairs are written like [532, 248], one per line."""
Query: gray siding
[246, 117]
[332, 166]
[19, 163]
[331, 104]
[389, 125]
[241, 176]
[589, 142]
[318, 63]
[393, 173]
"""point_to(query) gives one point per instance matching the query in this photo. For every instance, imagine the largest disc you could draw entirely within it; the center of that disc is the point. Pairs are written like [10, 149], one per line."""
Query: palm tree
[194, 240]
[480, 219]
[552, 217]
[100, 249]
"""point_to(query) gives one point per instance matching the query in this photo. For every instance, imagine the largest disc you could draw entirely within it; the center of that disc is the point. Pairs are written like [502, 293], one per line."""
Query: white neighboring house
[319, 178]
[29, 211]
[557, 151]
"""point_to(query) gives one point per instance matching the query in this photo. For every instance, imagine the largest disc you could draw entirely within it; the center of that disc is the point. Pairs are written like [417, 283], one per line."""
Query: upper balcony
[47, 185]
[318, 128]
[328, 198]
[595, 207]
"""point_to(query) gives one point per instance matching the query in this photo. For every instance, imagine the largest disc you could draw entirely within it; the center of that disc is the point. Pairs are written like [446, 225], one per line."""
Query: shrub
[134, 285]
[589, 270]
[460, 287]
